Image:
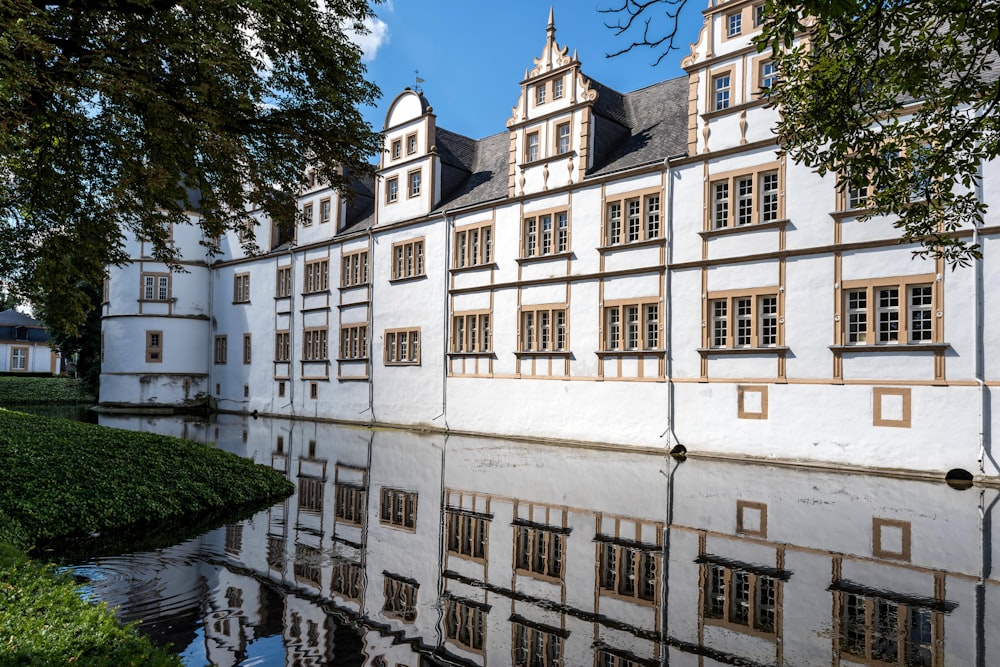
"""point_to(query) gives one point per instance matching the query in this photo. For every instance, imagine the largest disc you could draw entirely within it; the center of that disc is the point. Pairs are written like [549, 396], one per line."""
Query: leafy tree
[8, 301]
[84, 343]
[113, 115]
[900, 98]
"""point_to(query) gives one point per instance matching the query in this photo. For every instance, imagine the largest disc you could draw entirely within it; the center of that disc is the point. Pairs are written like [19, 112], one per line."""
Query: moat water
[405, 548]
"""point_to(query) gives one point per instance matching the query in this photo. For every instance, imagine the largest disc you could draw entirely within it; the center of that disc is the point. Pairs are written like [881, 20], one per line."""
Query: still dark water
[402, 548]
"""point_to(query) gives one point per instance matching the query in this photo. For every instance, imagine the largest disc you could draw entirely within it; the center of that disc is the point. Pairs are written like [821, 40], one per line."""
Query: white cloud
[370, 43]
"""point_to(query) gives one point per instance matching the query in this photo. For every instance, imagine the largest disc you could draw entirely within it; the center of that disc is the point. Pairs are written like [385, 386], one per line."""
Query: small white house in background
[24, 345]
[637, 269]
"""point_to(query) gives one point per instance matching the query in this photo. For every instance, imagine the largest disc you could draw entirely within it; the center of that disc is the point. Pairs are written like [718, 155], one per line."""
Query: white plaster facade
[569, 278]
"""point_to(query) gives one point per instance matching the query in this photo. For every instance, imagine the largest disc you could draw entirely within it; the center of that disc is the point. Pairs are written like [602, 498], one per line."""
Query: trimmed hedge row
[34, 390]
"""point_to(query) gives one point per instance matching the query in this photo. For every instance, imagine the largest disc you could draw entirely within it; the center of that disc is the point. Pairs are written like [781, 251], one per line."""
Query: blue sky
[472, 54]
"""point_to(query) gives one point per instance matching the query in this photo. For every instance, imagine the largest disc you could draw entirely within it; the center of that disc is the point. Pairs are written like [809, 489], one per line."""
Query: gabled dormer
[407, 185]
[551, 126]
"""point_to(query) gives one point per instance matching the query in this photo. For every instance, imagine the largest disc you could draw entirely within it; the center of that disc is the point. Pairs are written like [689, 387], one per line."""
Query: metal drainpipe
[672, 438]
[449, 223]
[979, 365]
[371, 321]
[291, 328]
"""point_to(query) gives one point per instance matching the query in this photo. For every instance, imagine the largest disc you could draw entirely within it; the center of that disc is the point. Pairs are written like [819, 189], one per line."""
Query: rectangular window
[534, 647]
[629, 571]
[317, 276]
[745, 199]
[411, 144]
[531, 151]
[354, 341]
[307, 215]
[632, 326]
[283, 282]
[471, 332]
[392, 190]
[324, 210]
[398, 508]
[737, 597]
[241, 288]
[400, 599]
[473, 246]
[354, 269]
[545, 234]
[467, 533]
[734, 24]
[346, 578]
[562, 138]
[767, 75]
[155, 287]
[540, 550]
[721, 89]
[402, 347]
[465, 624]
[282, 346]
[350, 503]
[884, 631]
[557, 89]
[540, 94]
[247, 348]
[311, 494]
[221, 351]
[413, 179]
[890, 312]
[19, 358]
[154, 347]
[758, 15]
[397, 149]
[632, 219]
[544, 329]
[314, 344]
[748, 320]
[408, 259]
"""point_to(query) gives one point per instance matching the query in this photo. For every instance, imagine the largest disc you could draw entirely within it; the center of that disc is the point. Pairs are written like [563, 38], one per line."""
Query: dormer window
[397, 149]
[721, 85]
[557, 89]
[734, 24]
[562, 138]
[758, 15]
[540, 94]
[414, 186]
[532, 149]
[411, 144]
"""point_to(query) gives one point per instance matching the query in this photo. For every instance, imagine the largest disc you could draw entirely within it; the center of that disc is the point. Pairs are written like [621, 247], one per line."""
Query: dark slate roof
[487, 178]
[18, 327]
[454, 149]
[657, 122]
[12, 318]
[610, 103]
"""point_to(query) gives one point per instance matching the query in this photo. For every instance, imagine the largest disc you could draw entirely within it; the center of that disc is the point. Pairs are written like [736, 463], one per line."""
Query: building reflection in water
[402, 548]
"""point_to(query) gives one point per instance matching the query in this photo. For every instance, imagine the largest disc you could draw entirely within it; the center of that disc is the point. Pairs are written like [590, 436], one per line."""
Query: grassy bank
[59, 479]
[16, 390]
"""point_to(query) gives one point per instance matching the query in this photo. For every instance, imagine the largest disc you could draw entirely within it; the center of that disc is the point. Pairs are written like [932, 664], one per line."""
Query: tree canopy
[898, 99]
[117, 117]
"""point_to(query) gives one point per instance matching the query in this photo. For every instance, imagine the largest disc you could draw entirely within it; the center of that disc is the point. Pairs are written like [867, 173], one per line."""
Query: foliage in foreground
[60, 478]
[35, 390]
[44, 622]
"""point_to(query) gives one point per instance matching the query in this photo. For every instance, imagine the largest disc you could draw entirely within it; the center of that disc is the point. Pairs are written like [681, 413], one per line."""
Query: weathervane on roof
[416, 86]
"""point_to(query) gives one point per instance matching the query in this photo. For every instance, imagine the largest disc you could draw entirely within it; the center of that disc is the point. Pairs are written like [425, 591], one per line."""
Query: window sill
[341, 360]
[723, 231]
[401, 363]
[538, 162]
[346, 288]
[313, 293]
[282, 296]
[542, 353]
[472, 268]
[631, 353]
[736, 108]
[406, 279]
[541, 258]
[645, 243]
[735, 351]
[170, 300]
[241, 303]
[352, 378]
[484, 353]
[891, 347]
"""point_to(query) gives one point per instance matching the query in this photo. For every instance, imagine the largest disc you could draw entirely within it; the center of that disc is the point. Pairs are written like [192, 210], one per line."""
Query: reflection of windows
[465, 623]
[632, 219]
[408, 259]
[886, 631]
[399, 508]
[877, 313]
[155, 287]
[632, 326]
[317, 276]
[539, 550]
[345, 579]
[402, 347]
[545, 234]
[275, 552]
[467, 533]
[470, 332]
[307, 564]
[544, 329]
[629, 571]
[739, 597]
[282, 346]
[283, 281]
[747, 320]
[311, 494]
[745, 199]
[400, 598]
[474, 245]
[535, 646]
[154, 347]
[314, 345]
[354, 341]
[350, 503]
[354, 269]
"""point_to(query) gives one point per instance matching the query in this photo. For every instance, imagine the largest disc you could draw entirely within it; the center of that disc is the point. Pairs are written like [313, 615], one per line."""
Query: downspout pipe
[370, 322]
[672, 439]
[449, 228]
[979, 333]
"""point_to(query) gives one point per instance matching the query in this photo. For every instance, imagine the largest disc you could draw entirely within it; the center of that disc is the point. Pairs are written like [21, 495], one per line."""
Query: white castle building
[637, 269]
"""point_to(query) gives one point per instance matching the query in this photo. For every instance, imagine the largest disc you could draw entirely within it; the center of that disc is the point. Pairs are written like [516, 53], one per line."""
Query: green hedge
[59, 479]
[16, 390]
